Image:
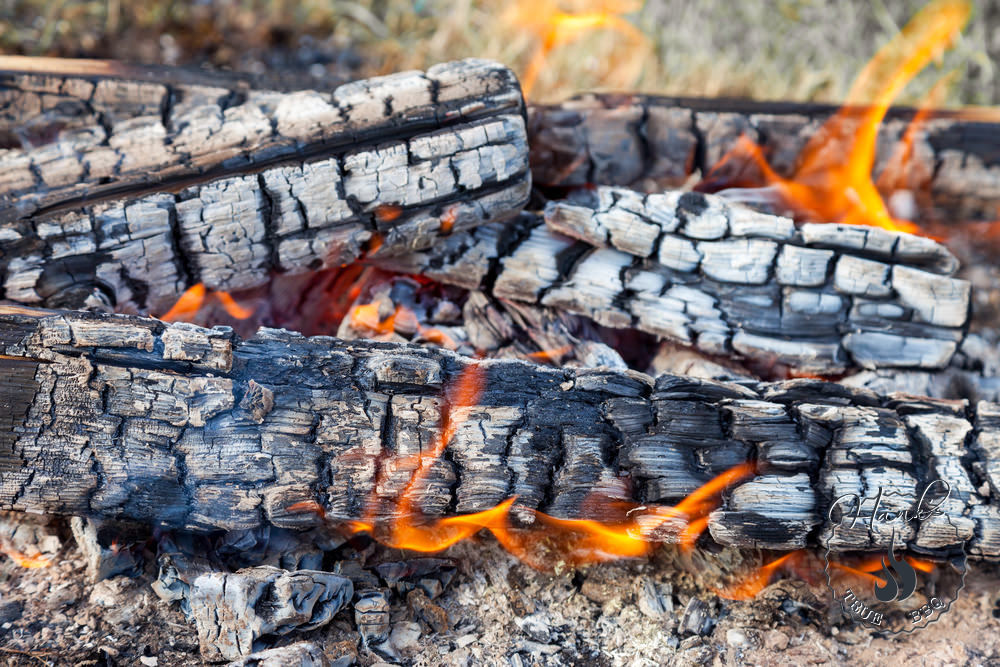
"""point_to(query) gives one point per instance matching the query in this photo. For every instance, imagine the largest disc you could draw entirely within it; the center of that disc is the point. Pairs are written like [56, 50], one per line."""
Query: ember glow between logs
[832, 181]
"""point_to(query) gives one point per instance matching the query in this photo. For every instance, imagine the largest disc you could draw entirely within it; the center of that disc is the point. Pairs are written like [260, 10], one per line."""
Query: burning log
[649, 142]
[378, 165]
[728, 280]
[184, 427]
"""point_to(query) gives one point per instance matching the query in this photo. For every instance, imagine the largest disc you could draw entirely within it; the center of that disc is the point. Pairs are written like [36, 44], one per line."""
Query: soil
[498, 611]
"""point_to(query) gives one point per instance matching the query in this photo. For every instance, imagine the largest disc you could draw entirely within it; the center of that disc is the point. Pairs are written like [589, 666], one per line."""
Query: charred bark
[649, 142]
[384, 164]
[128, 418]
[723, 278]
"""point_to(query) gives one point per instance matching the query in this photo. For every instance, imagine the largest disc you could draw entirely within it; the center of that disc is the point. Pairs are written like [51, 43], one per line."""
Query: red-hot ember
[832, 181]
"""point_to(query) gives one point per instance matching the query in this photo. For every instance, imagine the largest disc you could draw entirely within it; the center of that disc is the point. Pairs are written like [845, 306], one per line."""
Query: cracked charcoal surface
[649, 142]
[695, 269]
[376, 163]
[129, 418]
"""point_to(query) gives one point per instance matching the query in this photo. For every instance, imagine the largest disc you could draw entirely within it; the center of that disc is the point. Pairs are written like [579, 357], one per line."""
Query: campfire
[345, 375]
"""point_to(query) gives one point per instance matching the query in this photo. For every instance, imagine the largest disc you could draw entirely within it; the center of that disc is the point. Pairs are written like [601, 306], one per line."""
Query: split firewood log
[648, 142]
[122, 417]
[721, 277]
[244, 187]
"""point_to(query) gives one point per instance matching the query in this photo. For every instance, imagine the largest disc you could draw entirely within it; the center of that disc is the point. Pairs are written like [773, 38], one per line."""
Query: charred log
[128, 418]
[649, 142]
[384, 164]
[723, 278]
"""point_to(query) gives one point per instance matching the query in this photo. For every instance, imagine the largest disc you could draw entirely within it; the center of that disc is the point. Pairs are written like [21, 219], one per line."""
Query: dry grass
[766, 49]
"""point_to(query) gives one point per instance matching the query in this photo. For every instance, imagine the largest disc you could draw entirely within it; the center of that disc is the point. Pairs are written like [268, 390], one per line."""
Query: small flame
[863, 569]
[549, 542]
[549, 356]
[366, 316]
[30, 562]
[832, 181]
[751, 586]
[189, 303]
[552, 27]
[448, 219]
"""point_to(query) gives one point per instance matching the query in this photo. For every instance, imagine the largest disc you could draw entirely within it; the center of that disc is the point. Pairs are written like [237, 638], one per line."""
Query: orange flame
[549, 356]
[864, 569]
[549, 542]
[553, 27]
[30, 562]
[752, 585]
[832, 182]
[194, 298]
[366, 316]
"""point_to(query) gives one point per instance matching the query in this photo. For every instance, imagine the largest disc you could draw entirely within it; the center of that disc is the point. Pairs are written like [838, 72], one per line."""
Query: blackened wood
[648, 142]
[131, 418]
[723, 278]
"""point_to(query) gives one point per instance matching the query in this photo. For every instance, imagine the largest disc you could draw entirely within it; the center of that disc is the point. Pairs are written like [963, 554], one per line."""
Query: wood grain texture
[129, 418]
[401, 160]
[727, 280]
[84, 138]
[649, 142]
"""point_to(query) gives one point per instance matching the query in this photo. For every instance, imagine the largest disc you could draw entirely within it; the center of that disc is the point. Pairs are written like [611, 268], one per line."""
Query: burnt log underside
[173, 189]
[128, 418]
[649, 142]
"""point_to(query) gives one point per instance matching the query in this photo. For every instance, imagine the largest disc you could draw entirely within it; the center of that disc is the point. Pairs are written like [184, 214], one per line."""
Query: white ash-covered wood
[80, 137]
[726, 279]
[232, 611]
[129, 418]
[648, 142]
[402, 160]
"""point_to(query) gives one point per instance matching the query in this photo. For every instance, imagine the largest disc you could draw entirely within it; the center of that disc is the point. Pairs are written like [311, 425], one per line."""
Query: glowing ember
[367, 316]
[553, 27]
[832, 181]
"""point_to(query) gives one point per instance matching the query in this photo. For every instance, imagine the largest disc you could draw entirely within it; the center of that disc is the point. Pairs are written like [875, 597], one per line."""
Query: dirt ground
[498, 611]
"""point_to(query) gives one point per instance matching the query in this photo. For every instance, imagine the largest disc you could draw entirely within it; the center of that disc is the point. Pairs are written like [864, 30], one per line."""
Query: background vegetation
[766, 49]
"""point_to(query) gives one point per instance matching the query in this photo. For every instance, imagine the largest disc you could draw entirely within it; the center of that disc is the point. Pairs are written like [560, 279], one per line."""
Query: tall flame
[832, 181]
[553, 27]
